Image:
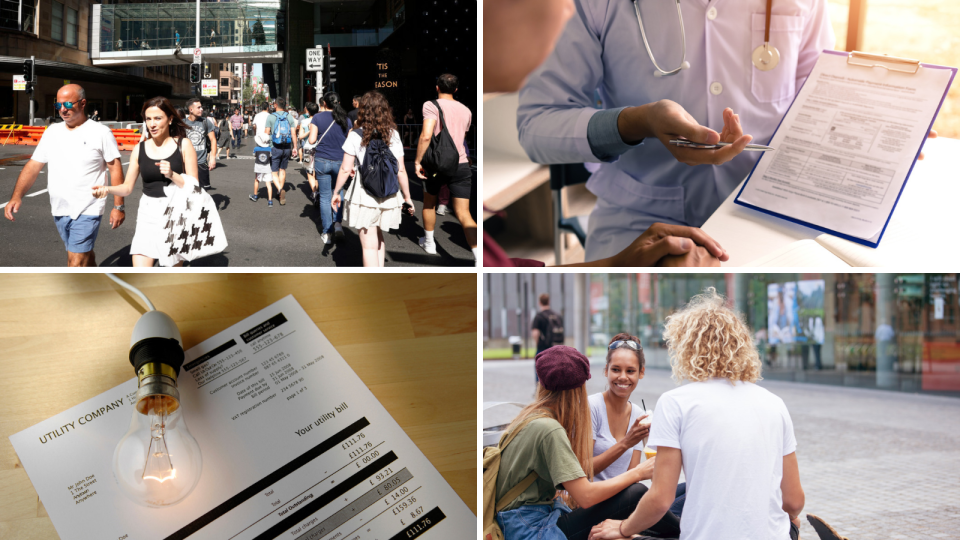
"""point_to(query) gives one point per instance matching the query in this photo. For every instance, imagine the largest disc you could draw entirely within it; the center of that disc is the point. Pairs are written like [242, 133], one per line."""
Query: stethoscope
[764, 57]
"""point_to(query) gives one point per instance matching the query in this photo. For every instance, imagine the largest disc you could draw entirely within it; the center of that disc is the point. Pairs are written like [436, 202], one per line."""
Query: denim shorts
[78, 234]
[279, 158]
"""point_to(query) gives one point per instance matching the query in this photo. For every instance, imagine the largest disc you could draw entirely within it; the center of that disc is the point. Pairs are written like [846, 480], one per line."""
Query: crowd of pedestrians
[354, 164]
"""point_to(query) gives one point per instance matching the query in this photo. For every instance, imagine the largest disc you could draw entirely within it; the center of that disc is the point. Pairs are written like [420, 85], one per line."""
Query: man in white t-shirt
[733, 439]
[79, 153]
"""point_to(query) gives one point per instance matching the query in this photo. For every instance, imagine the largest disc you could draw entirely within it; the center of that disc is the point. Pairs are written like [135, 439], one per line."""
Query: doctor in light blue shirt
[639, 182]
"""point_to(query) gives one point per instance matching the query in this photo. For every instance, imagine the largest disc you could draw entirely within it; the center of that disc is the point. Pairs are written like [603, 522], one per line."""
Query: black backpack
[554, 329]
[442, 156]
[379, 168]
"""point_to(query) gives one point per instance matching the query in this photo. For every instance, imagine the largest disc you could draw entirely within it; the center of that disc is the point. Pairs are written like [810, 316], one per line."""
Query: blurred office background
[541, 214]
[889, 331]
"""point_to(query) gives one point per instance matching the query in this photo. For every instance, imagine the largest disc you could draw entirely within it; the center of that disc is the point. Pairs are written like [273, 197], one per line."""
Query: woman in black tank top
[162, 160]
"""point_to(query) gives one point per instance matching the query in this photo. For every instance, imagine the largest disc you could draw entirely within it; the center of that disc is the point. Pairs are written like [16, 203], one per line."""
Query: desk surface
[930, 197]
[64, 338]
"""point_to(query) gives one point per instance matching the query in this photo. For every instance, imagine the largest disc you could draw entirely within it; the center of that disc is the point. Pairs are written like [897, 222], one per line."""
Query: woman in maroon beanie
[555, 443]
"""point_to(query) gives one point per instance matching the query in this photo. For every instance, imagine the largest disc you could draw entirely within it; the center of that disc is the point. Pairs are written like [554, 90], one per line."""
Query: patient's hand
[661, 241]
[697, 257]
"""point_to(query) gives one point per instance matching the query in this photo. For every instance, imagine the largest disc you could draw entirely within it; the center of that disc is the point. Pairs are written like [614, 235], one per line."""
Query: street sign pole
[33, 62]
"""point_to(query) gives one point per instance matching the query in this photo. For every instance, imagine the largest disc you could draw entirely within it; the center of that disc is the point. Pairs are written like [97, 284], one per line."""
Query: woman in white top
[364, 212]
[733, 439]
[617, 432]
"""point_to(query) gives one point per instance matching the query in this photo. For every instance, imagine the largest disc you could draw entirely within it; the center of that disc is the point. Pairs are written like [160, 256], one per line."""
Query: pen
[690, 144]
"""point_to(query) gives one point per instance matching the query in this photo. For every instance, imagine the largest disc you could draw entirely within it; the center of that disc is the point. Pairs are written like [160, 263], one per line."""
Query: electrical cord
[132, 289]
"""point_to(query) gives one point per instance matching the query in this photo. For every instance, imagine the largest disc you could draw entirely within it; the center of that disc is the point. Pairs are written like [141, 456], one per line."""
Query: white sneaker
[442, 210]
[325, 238]
[429, 247]
[337, 230]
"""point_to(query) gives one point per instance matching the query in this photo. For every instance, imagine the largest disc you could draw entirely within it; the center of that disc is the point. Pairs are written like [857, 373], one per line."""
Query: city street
[874, 464]
[258, 236]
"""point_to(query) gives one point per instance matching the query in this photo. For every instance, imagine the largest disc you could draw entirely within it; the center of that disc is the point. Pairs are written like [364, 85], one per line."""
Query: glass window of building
[71, 26]
[56, 21]
[889, 331]
[17, 15]
[225, 81]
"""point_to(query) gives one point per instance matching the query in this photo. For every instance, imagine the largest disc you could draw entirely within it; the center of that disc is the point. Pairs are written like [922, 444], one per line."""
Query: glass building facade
[240, 26]
[890, 331]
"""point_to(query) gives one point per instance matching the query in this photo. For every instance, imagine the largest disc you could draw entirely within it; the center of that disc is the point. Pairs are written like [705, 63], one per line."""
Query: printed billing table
[294, 446]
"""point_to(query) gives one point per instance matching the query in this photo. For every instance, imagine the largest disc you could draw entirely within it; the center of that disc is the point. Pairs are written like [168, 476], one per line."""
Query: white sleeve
[817, 36]
[109, 145]
[789, 439]
[556, 104]
[396, 146]
[352, 144]
[665, 430]
[595, 418]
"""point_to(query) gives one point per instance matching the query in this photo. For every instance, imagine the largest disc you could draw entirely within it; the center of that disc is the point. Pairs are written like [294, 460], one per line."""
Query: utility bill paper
[294, 446]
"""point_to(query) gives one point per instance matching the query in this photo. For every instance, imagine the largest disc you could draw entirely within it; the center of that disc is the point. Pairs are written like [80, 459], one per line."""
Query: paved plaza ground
[258, 236]
[874, 464]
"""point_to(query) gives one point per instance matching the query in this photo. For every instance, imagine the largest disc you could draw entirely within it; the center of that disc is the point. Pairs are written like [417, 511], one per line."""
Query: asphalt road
[258, 236]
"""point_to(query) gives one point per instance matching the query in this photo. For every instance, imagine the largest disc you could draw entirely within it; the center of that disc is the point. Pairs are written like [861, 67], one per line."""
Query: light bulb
[158, 462]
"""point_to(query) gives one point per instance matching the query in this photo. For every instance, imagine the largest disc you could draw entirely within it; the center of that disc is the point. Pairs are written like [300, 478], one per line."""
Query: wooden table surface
[64, 338]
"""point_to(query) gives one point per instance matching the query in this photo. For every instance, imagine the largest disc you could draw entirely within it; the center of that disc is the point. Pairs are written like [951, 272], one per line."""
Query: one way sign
[315, 59]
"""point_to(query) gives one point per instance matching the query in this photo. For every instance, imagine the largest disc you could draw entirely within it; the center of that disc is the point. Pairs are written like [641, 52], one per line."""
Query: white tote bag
[193, 229]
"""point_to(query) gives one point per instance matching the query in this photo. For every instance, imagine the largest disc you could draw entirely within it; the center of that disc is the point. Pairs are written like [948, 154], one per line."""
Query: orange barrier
[30, 136]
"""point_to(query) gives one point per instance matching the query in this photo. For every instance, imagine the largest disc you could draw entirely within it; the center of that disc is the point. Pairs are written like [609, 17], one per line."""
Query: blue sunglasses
[66, 104]
[628, 343]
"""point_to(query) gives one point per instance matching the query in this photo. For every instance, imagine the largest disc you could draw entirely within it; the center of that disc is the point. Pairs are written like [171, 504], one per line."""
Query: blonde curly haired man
[734, 440]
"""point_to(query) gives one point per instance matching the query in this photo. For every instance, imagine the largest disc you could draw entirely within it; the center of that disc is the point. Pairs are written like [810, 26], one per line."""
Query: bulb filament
[158, 465]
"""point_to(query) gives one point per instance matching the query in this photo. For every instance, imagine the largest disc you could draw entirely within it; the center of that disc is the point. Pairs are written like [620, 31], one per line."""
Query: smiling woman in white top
[617, 430]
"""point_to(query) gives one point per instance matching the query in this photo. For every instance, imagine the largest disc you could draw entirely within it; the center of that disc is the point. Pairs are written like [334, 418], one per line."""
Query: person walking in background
[283, 141]
[408, 134]
[162, 160]
[352, 115]
[79, 153]
[199, 131]
[733, 439]
[457, 118]
[236, 124]
[225, 133]
[547, 328]
[328, 131]
[303, 131]
[369, 214]
[262, 157]
[307, 150]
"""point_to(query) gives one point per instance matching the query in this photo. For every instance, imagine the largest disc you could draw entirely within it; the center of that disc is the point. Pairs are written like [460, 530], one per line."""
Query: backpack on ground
[379, 168]
[442, 155]
[281, 132]
[554, 329]
[491, 468]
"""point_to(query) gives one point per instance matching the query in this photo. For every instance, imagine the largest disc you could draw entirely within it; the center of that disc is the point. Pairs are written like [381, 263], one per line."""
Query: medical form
[294, 446]
[846, 146]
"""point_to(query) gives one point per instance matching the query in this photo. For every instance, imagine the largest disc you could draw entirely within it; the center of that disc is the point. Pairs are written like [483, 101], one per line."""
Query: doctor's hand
[667, 120]
[662, 241]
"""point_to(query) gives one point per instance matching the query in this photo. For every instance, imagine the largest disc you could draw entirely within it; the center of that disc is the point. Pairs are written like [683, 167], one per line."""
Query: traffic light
[308, 81]
[28, 75]
[331, 74]
[325, 81]
[195, 73]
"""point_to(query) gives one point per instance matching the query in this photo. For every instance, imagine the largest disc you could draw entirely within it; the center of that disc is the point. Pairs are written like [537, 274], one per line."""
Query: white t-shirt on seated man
[733, 468]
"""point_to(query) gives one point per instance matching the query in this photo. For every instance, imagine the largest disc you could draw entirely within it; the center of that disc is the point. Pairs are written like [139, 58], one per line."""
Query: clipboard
[856, 59]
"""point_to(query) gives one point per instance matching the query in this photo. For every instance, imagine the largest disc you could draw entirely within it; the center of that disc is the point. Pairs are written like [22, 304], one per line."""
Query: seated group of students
[733, 439]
